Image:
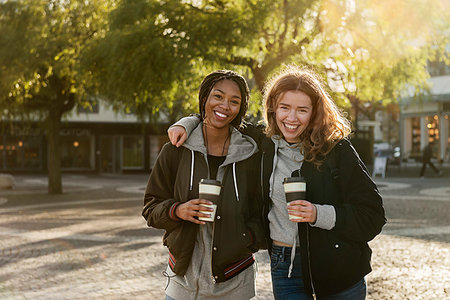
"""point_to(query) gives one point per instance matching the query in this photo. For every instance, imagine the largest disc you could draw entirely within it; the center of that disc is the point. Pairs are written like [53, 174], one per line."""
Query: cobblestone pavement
[92, 243]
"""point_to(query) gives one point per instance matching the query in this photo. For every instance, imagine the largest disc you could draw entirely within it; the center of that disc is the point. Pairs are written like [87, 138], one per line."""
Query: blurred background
[91, 86]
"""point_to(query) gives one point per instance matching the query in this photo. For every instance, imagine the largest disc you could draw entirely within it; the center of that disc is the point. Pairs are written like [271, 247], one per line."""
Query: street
[91, 242]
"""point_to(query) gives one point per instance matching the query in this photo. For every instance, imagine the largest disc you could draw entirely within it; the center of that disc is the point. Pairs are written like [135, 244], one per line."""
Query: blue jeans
[293, 288]
[169, 298]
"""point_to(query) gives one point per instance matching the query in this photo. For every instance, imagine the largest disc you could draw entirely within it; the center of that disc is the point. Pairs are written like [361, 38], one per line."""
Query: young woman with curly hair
[324, 253]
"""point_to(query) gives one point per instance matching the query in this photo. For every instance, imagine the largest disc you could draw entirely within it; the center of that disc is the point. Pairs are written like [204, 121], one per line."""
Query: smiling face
[223, 104]
[293, 113]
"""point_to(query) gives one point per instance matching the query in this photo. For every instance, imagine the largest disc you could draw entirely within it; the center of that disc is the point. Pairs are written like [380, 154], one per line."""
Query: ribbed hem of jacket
[239, 267]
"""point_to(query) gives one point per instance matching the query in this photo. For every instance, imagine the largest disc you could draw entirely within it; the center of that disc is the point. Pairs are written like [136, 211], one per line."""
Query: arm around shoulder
[188, 123]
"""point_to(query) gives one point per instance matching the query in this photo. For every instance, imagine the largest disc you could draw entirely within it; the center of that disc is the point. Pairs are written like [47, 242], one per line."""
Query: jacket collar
[241, 146]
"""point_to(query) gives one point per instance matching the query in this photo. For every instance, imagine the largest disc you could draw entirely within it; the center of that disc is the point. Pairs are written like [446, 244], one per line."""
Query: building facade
[98, 141]
[425, 120]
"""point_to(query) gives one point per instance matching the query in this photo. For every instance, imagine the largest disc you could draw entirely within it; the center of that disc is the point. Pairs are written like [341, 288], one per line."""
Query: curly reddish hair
[327, 125]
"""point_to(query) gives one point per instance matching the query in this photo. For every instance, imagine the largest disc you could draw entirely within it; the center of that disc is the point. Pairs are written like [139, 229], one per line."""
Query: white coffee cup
[209, 189]
[295, 189]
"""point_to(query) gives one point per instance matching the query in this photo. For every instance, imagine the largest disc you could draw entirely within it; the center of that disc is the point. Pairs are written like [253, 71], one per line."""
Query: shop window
[32, 153]
[433, 134]
[20, 153]
[76, 152]
[133, 152]
[415, 147]
[433, 128]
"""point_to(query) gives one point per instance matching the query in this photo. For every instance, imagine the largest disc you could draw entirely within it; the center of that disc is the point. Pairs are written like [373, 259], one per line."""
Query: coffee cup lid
[210, 181]
[293, 179]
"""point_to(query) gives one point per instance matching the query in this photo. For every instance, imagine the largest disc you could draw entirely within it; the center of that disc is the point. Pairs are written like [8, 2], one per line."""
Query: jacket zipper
[214, 225]
[309, 262]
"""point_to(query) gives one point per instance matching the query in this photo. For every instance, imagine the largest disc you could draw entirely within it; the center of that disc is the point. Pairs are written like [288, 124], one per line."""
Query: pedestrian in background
[325, 252]
[426, 160]
[210, 260]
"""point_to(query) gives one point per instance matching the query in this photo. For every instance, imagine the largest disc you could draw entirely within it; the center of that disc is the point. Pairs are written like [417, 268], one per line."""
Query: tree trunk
[260, 77]
[54, 153]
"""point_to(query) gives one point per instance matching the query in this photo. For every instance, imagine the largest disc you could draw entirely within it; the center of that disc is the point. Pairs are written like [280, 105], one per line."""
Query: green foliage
[39, 52]
[40, 48]
[154, 50]
[377, 50]
[149, 56]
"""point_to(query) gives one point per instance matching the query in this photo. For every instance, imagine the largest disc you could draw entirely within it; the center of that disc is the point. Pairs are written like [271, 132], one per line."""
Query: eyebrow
[235, 96]
[305, 106]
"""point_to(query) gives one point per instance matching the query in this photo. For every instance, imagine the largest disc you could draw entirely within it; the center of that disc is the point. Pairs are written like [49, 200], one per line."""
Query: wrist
[173, 211]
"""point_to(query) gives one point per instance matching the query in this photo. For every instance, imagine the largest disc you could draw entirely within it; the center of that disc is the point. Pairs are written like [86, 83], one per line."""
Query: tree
[40, 49]
[155, 47]
[380, 49]
[155, 53]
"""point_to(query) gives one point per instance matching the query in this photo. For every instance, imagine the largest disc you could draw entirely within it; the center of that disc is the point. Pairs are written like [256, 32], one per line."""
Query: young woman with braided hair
[210, 260]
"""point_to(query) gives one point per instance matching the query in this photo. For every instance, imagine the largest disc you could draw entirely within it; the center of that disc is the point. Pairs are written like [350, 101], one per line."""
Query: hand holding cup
[209, 189]
[302, 211]
[299, 209]
[194, 208]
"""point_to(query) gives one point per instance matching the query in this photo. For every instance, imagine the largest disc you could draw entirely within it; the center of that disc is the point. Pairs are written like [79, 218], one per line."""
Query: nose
[292, 115]
[225, 104]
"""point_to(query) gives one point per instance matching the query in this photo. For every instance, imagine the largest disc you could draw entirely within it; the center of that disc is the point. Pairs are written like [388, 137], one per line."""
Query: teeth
[221, 115]
[291, 126]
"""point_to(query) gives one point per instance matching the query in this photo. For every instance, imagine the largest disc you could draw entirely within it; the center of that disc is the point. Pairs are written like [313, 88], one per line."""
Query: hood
[241, 146]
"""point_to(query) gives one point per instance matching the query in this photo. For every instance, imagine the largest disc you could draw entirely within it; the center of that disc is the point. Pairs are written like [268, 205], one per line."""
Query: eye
[218, 96]
[235, 102]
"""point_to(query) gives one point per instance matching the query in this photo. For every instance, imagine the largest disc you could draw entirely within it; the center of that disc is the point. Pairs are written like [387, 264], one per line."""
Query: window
[133, 152]
[21, 153]
[76, 152]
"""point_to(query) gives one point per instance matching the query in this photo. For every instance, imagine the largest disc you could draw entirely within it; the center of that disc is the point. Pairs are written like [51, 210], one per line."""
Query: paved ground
[92, 243]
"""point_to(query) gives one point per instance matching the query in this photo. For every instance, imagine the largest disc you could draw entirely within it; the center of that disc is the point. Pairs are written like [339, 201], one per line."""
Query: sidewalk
[92, 243]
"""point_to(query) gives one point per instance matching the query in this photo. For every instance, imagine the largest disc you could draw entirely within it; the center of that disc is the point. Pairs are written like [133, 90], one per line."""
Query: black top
[214, 162]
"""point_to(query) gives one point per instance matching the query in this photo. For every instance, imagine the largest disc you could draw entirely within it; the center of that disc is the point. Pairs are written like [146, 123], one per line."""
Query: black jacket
[238, 225]
[332, 260]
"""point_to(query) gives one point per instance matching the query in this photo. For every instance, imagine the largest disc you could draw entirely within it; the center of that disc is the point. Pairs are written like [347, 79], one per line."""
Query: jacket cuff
[326, 217]
[172, 209]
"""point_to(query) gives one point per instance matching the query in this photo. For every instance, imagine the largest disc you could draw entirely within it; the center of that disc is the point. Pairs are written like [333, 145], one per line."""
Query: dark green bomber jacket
[238, 229]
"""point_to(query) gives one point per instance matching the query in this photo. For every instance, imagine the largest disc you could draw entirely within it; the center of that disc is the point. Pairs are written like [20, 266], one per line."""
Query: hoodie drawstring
[192, 170]
[235, 182]
[292, 257]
